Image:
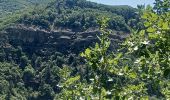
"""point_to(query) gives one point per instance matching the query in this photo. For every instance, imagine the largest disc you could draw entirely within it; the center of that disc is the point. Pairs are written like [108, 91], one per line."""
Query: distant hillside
[39, 37]
[64, 26]
[11, 10]
[50, 14]
[79, 15]
[11, 6]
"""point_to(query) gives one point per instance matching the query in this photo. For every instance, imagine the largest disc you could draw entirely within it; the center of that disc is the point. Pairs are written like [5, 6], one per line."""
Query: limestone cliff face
[42, 42]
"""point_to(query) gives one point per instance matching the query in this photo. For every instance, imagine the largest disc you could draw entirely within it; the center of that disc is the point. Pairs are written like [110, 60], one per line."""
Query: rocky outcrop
[42, 42]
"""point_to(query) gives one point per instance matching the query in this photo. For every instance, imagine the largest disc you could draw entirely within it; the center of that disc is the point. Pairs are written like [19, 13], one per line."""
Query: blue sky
[132, 3]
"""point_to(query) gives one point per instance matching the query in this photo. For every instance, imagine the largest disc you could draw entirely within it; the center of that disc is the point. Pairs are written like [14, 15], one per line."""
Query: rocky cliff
[34, 40]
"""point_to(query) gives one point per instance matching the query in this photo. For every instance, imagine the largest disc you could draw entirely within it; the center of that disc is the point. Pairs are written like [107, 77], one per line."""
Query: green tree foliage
[161, 6]
[139, 70]
[11, 11]
[150, 49]
[142, 72]
[68, 14]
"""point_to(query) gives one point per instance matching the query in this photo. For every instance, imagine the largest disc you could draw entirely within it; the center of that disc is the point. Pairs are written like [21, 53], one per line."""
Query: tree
[161, 6]
[83, 21]
[142, 72]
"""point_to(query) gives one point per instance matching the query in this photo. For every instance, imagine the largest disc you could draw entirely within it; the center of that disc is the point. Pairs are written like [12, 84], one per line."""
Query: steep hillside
[65, 26]
[10, 6]
[44, 38]
[12, 10]
[79, 15]
[63, 13]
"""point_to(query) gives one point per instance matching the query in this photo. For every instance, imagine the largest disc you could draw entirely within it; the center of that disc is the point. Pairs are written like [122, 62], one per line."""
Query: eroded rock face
[43, 42]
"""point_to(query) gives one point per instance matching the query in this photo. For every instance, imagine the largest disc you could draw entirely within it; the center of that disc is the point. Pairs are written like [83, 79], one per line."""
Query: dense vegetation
[79, 15]
[11, 11]
[140, 69]
[9, 7]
